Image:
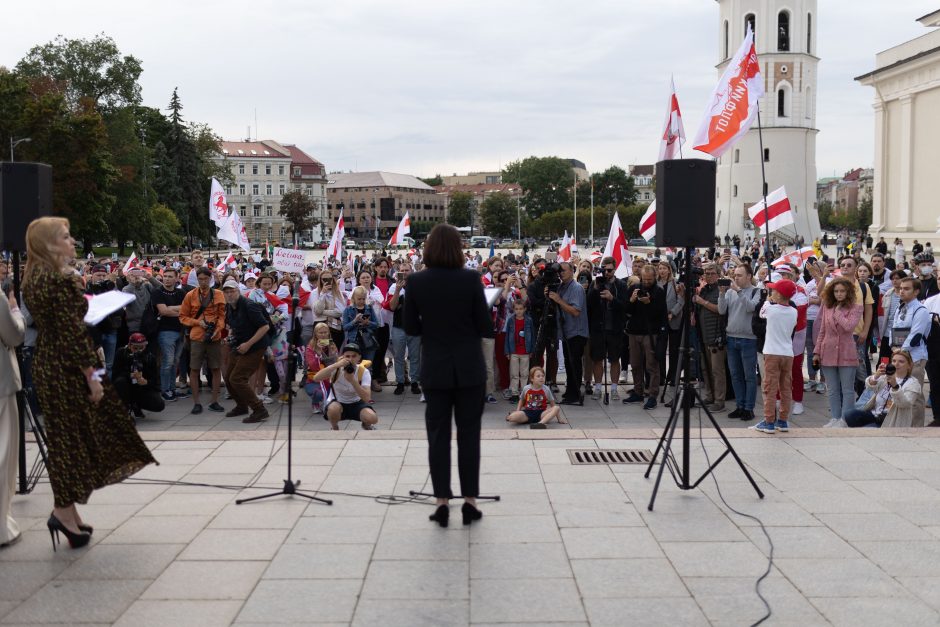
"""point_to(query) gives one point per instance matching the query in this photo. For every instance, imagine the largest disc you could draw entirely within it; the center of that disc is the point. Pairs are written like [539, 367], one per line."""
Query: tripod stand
[686, 395]
[290, 486]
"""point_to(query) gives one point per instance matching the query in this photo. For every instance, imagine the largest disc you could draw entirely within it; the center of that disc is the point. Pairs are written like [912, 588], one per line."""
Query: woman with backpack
[835, 351]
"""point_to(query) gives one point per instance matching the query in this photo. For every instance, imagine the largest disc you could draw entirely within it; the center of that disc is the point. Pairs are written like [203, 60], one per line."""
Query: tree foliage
[297, 208]
[165, 227]
[613, 186]
[546, 183]
[434, 181]
[460, 208]
[498, 214]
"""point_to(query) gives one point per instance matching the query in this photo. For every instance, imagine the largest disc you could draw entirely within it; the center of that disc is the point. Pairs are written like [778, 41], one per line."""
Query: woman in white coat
[12, 332]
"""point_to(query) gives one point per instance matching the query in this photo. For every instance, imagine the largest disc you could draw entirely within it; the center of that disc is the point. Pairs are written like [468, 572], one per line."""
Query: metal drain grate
[581, 457]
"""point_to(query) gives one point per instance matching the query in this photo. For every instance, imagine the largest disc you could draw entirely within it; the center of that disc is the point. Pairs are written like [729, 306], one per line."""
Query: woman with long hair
[896, 396]
[835, 351]
[328, 305]
[447, 309]
[374, 300]
[92, 440]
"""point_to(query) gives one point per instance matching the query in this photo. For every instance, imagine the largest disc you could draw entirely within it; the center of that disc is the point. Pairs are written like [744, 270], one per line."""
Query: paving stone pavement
[854, 518]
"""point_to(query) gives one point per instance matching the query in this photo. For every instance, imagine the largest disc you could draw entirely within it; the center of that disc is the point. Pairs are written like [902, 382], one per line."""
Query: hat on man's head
[231, 284]
[353, 347]
[250, 275]
[311, 266]
[137, 338]
[99, 268]
[786, 287]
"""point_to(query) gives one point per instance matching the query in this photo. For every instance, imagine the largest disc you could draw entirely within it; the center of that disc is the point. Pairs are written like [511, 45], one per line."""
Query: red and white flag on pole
[229, 262]
[734, 102]
[648, 222]
[796, 258]
[233, 231]
[218, 204]
[335, 249]
[673, 131]
[403, 229]
[778, 214]
[564, 251]
[131, 263]
[617, 248]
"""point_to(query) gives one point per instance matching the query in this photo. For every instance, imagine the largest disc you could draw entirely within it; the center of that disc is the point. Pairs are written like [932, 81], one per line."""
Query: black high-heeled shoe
[440, 515]
[470, 513]
[76, 540]
[86, 528]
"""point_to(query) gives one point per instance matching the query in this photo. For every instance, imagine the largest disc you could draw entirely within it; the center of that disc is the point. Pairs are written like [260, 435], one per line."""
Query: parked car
[481, 241]
[638, 241]
[351, 244]
[323, 245]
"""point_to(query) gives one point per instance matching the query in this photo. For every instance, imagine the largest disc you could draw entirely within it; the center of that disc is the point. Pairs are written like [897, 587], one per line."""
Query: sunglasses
[608, 269]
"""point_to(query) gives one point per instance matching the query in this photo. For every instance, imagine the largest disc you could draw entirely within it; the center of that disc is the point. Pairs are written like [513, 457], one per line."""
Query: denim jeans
[171, 346]
[810, 347]
[742, 362]
[841, 383]
[315, 391]
[401, 341]
[109, 345]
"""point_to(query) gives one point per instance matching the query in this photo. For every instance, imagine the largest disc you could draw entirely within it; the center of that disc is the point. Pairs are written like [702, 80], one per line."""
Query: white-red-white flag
[673, 130]
[648, 222]
[335, 249]
[131, 263]
[403, 229]
[778, 214]
[617, 248]
[796, 258]
[734, 102]
[564, 251]
[218, 204]
[229, 261]
[233, 231]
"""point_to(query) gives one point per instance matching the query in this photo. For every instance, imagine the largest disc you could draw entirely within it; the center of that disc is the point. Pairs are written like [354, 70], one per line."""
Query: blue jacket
[352, 329]
[528, 334]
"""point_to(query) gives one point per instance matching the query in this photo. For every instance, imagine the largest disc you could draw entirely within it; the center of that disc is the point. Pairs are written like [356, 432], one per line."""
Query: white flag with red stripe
[673, 131]
[229, 262]
[335, 249]
[218, 204]
[734, 102]
[796, 258]
[778, 214]
[233, 231]
[403, 229]
[648, 222]
[131, 263]
[564, 251]
[617, 248]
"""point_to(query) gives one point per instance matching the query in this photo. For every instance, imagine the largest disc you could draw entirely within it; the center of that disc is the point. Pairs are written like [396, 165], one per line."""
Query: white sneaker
[422, 399]
[614, 394]
[267, 400]
[623, 378]
[840, 424]
[596, 394]
[507, 394]
[797, 409]
[809, 386]
[834, 423]
[821, 388]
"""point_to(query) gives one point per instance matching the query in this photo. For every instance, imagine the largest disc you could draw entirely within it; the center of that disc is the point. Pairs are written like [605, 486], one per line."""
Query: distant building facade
[473, 178]
[845, 194]
[644, 177]
[906, 79]
[480, 192]
[373, 203]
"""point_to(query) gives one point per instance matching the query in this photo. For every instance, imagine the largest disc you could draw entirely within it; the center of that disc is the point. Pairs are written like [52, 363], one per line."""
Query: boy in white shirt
[778, 355]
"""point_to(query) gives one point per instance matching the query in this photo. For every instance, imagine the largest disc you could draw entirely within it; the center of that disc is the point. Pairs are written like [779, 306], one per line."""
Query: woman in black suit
[446, 307]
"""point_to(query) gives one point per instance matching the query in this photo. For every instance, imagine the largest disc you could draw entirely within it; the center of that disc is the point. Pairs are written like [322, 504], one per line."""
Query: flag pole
[592, 211]
[763, 176]
[575, 236]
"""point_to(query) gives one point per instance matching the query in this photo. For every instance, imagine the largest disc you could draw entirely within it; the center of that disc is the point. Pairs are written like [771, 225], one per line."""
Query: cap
[231, 284]
[99, 268]
[137, 338]
[250, 275]
[785, 286]
[311, 266]
[352, 347]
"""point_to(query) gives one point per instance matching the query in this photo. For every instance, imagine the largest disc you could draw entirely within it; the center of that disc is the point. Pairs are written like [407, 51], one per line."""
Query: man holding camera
[136, 377]
[607, 305]
[248, 337]
[711, 328]
[350, 391]
[203, 312]
[571, 302]
[647, 310]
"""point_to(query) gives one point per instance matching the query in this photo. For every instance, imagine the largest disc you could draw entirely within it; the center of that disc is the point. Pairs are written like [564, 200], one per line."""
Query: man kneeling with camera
[350, 390]
[136, 377]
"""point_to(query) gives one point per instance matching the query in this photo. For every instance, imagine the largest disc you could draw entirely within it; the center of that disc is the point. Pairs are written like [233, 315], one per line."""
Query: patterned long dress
[90, 446]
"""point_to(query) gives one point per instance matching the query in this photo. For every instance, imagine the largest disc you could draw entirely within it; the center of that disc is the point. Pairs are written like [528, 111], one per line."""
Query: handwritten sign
[289, 260]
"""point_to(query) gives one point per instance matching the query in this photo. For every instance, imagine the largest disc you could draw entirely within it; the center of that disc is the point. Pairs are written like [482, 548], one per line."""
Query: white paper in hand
[103, 305]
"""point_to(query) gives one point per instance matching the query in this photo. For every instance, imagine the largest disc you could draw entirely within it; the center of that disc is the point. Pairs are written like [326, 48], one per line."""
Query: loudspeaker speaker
[25, 194]
[685, 203]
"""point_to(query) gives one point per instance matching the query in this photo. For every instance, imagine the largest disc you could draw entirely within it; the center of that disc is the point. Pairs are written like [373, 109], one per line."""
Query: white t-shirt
[343, 390]
[781, 320]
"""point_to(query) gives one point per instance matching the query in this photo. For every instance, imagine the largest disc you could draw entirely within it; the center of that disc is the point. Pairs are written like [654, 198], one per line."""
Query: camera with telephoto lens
[350, 368]
[210, 331]
[551, 277]
[890, 369]
[696, 273]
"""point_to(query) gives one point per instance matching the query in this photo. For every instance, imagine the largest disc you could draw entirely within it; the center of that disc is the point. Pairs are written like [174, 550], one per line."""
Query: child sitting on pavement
[536, 403]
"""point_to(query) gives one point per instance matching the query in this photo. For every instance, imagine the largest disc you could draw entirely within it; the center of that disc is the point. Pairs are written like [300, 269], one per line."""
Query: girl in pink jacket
[835, 351]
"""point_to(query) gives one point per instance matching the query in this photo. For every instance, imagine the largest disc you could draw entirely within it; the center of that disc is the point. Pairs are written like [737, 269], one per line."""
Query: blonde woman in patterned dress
[92, 439]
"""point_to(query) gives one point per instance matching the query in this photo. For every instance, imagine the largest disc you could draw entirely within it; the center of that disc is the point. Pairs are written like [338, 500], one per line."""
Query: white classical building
[785, 36]
[906, 79]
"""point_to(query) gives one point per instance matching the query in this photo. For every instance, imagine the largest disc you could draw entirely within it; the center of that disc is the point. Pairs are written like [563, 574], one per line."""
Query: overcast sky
[422, 87]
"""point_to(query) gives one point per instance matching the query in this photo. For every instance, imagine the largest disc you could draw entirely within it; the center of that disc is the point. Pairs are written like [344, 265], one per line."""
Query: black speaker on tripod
[685, 203]
[25, 194]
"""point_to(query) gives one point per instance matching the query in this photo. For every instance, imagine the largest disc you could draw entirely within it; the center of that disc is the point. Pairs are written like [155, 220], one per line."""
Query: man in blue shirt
[909, 331]
[572, 330]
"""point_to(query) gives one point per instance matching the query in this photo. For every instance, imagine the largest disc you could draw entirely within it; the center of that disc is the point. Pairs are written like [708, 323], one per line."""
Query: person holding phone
[359, 324]
[897, 394]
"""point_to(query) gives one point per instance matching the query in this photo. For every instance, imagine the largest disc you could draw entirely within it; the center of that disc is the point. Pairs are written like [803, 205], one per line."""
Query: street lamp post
[16, 142]
[375, 209]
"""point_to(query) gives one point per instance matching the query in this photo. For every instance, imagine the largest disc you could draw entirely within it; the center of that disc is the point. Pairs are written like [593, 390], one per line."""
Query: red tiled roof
[642, 170]
[299, 157]
[264, 149]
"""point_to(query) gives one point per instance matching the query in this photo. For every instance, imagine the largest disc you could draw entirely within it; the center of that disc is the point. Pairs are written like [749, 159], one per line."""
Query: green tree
[86, 68]
[864, 213]
[297, 209]
[434, 181]
[460, 208]
[165, 227]
[133, 192]
[825, 214]
[613, 186]
[546, 183]
[498, 214]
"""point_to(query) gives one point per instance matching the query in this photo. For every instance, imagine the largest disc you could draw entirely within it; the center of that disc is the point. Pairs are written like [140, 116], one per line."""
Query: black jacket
[244, 318]
[148, 364]
[446, 307]
[597, 307]
[647, 319]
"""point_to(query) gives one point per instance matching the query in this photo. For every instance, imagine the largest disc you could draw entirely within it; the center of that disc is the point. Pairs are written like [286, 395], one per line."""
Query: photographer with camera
[897, 394]
[572, 325]
[250, 332]
[607, 307]
[137, 378]
[203, 313]
[647, 319]
[350, 389]
[711, 328]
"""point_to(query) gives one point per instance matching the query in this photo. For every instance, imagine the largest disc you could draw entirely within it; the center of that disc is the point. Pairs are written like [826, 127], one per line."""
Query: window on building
[270, 232]
[783, 31]
[310, 190]
[254, 168]
[280, 189]
[268, 189]
[256, 211]
[750, 20]
[781, 103]
[254, 189]
[241, 189]
[267, 168]
[734, 191]
[269, 210]
[280, 170]
[809, 33]
[241, 211]
[297, 171]
[726, 40]
[766, 154]
[737, 155]
[241, 168]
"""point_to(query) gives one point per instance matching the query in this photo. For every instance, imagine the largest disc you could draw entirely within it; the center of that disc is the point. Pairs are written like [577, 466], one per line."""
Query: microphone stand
[290, 485]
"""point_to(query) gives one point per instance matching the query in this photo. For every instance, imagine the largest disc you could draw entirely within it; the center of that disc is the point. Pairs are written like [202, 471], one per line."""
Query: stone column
[879, 211]
[906, 165]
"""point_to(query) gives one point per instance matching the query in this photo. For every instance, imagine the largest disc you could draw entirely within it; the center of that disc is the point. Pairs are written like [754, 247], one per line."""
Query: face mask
[926, 270]
[323, 343]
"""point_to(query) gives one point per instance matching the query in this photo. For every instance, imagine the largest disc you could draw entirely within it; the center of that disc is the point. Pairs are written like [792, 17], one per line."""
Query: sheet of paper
[103, 305]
